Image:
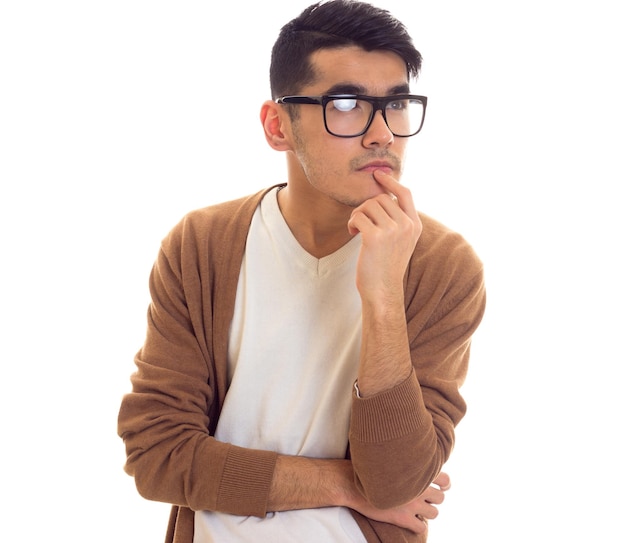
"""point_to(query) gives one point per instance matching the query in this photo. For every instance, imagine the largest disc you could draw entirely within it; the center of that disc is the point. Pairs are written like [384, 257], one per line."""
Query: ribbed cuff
[389, 415]
[246, 481]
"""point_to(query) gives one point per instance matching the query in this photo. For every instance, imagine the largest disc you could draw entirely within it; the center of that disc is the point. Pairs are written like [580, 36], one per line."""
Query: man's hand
[389, 227]
[413, 515]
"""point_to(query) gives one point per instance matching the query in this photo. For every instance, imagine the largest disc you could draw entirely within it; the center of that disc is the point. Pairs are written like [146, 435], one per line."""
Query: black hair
[333, 24]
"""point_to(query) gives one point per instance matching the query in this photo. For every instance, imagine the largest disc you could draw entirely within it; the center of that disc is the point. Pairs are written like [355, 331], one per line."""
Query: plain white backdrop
[118, 117]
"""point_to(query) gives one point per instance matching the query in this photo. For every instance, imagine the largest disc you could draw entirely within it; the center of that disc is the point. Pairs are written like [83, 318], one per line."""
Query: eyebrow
[350, 88]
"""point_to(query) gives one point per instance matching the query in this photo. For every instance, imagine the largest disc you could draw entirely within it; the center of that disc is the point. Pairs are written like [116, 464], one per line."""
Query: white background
[117, 117]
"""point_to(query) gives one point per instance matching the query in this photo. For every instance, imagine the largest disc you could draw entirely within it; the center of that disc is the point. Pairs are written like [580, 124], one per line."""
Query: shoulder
[439, 244]
[215, 224]
[221, 216]
[444, 281]
[444, 262]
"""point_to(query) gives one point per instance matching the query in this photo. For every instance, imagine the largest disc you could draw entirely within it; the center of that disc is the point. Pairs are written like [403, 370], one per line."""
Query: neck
[318, 224]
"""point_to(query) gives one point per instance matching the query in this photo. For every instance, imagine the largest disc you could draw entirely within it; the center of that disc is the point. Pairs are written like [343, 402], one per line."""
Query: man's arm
[415, 345]
[390, 228]
[306, 483]
[165, 421]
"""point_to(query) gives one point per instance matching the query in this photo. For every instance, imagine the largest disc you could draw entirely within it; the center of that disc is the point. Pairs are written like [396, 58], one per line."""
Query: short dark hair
[333, 24]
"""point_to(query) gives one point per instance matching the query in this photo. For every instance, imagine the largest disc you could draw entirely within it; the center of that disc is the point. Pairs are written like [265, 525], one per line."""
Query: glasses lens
[350, 116]
[405, 116]
[347, 116]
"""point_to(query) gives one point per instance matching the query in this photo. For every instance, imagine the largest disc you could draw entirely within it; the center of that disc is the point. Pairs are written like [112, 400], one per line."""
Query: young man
[305, 347]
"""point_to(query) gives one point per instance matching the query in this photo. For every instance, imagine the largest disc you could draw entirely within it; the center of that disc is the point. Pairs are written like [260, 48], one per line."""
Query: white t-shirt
[293, 356]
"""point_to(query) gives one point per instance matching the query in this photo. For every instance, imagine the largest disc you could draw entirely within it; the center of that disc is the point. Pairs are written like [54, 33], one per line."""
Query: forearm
[306, 483]
[385, 356]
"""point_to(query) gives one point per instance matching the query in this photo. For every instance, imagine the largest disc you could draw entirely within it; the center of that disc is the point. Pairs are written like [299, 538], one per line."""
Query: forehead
[368, 72]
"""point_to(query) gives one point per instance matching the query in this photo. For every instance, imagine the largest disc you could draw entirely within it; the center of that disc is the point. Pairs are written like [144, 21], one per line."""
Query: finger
[384, 208]
[423, 525]
[443, 481]
[375, 212]
[391, 205]
[434, 495]
[419, 525]
[359, 222]
[395, 188]
[428, 512]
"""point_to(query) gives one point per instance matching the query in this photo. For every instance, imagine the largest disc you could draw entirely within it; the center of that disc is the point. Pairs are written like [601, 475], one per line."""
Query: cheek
[321, 155]
[319, 166]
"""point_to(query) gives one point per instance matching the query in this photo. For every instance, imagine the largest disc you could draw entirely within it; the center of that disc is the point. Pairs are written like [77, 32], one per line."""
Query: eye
[397, 105]
[344, 104]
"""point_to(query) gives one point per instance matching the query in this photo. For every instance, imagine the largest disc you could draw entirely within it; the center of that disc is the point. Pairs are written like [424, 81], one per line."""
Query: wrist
[384, 297]
[347, 494]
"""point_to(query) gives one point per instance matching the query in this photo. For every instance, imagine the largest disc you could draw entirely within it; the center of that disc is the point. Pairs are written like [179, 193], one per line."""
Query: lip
[373, 166]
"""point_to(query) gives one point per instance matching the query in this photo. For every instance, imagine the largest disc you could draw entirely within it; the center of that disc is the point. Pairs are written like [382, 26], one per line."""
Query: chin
[355, 200]
[354, 193]
[371, 190]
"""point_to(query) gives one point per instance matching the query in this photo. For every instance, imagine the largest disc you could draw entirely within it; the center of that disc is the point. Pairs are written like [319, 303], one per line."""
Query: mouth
[371, 167]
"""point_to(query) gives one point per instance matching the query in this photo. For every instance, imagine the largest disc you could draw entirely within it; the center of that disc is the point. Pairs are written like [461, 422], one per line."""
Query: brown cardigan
[399, 440]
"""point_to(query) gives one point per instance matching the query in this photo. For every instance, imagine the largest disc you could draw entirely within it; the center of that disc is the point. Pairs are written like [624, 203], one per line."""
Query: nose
[378, 133]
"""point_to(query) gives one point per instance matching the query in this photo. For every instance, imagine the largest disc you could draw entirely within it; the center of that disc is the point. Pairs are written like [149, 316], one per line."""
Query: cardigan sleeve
[400, 438]
[165, 420]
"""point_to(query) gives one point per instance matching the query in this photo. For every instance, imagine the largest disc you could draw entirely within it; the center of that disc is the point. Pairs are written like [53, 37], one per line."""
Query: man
[305, 347]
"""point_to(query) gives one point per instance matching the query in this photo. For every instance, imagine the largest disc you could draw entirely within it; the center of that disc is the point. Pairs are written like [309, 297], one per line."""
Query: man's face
[342, 168]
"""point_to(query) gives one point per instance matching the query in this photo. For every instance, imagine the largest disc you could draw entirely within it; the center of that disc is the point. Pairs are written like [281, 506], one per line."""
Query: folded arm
[419, 313]
[305, 483]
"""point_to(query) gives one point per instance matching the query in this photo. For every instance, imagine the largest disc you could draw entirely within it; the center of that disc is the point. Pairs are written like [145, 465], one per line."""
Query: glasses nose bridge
[378, 104]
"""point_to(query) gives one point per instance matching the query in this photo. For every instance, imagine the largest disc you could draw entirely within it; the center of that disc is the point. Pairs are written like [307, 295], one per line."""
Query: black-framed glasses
[350, 115]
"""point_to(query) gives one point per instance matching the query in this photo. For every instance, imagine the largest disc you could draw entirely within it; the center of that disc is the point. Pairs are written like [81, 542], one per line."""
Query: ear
[273, 120]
